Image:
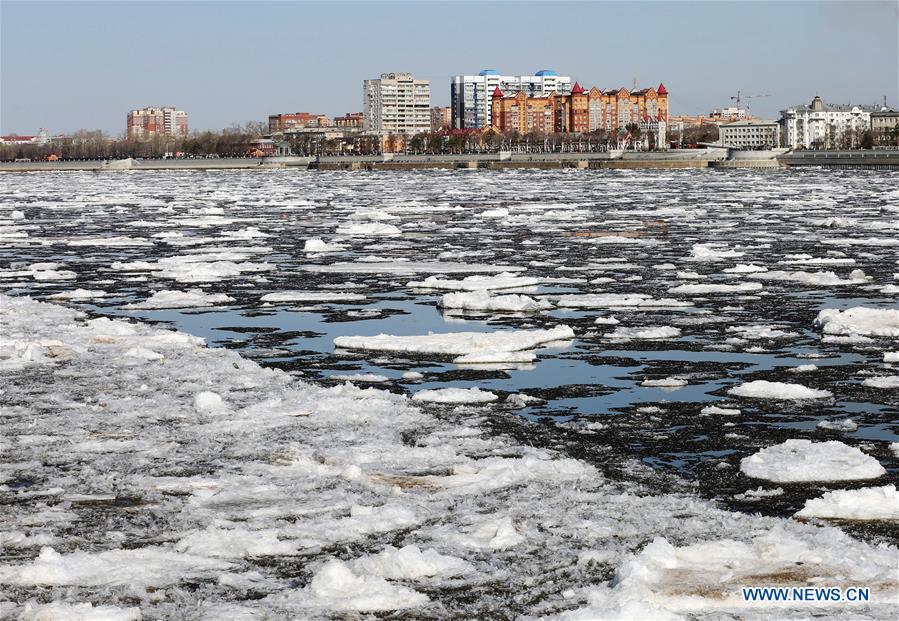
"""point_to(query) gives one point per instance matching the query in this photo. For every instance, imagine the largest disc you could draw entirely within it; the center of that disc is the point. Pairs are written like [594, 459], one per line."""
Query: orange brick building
[297, 120]
[581, 111]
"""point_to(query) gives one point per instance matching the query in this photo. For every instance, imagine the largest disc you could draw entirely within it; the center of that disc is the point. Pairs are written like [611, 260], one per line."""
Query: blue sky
[72, 65]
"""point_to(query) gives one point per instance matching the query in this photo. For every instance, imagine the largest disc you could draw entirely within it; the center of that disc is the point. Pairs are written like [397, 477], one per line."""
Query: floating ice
[504, 280]
[867, 503]
[457, 343]
[859, 320]
[886, 381]
[797, 461]
[647, 333]
[313, 296]
[193, 298]
[410, 563]
[763, 389]
[744, 287]
[455, 395]
[483, 301]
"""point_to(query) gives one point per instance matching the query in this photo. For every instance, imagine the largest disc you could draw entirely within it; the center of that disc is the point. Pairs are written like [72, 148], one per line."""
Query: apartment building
[441, 117]
[471, 95]
[582, 111]
[820, 125]
[396, 103]
[148, 123]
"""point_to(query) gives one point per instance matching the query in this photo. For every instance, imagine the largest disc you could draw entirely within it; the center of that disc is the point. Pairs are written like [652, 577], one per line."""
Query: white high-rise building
[820, 125]
[471, 94]
[396, 103]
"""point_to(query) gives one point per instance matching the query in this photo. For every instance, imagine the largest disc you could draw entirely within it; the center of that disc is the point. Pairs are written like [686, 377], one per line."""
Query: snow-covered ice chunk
[78, 294]
[208, 402]
[193, 298]
[410, 563]
[743, 287]
[411, 267]
[497, 357]
[846, 424]
[141, 567]
[616, 300]
[859, 320]
[796, 461]
[335, 587]
[705, 579]
[455, 395]
[867, 503]
[313, 296]
[644, 333]
[496, 534]
[483, 301]
[763, 389]
[457, 343]
[665, 382]
[714, 410]
[317, 245]
[827, 279]
[885, 381]
[61, 611]
[503, 280]
[368, 229]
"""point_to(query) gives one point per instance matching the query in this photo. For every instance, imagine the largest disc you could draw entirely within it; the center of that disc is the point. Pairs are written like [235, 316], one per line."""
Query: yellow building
[582, 111]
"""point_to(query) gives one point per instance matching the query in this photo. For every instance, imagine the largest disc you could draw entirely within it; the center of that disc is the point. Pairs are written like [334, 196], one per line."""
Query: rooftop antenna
[635, 84]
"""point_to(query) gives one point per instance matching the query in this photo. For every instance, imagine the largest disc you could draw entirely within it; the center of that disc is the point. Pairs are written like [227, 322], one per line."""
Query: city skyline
[243, 62]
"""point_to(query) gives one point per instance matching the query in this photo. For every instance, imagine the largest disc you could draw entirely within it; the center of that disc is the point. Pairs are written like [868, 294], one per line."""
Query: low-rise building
[441, 117]
[350, 120]
[823, 126]
[749, 134]
[296, 120]
[148, 123]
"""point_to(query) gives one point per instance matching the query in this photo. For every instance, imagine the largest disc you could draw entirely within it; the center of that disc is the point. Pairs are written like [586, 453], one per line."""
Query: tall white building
[396, 103]
[820, 125]
[471, 94]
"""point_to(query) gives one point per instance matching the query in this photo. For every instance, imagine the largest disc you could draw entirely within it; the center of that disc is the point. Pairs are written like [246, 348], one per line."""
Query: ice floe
[763, 389]
[799, 460]
[867, 503]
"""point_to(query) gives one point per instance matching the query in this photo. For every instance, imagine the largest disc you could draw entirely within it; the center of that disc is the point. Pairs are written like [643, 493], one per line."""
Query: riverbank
[718, 158]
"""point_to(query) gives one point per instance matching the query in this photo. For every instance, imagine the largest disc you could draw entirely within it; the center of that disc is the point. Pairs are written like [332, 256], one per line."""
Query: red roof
[577, 90]
[662, 90]
[497, 93]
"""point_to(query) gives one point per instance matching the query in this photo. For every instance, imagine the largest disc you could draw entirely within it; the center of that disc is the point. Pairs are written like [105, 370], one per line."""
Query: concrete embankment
[692, 158]
[842, 159]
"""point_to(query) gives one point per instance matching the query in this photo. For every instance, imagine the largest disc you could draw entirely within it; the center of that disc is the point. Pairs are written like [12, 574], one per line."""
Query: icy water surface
[698, 280]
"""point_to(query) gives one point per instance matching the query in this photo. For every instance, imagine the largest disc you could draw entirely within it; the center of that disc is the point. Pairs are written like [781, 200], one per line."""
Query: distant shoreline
[687, 158]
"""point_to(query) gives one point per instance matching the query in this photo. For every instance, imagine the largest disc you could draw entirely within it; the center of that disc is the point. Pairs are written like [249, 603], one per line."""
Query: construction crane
[739, 97]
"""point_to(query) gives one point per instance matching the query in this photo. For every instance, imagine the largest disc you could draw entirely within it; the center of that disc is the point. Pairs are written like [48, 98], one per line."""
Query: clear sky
[72, 65]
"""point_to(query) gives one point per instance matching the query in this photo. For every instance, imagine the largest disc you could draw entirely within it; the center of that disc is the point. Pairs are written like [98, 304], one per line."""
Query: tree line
[234, 141]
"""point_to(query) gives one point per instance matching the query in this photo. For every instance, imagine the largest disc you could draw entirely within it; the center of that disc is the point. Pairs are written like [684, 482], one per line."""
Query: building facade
[471, 95]
[396, 103]
[441, 117]
[821, 126]
[749, 134]
[885, 126]
[582, 111]
[148, 123]
[296, 120]
[350, 120]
